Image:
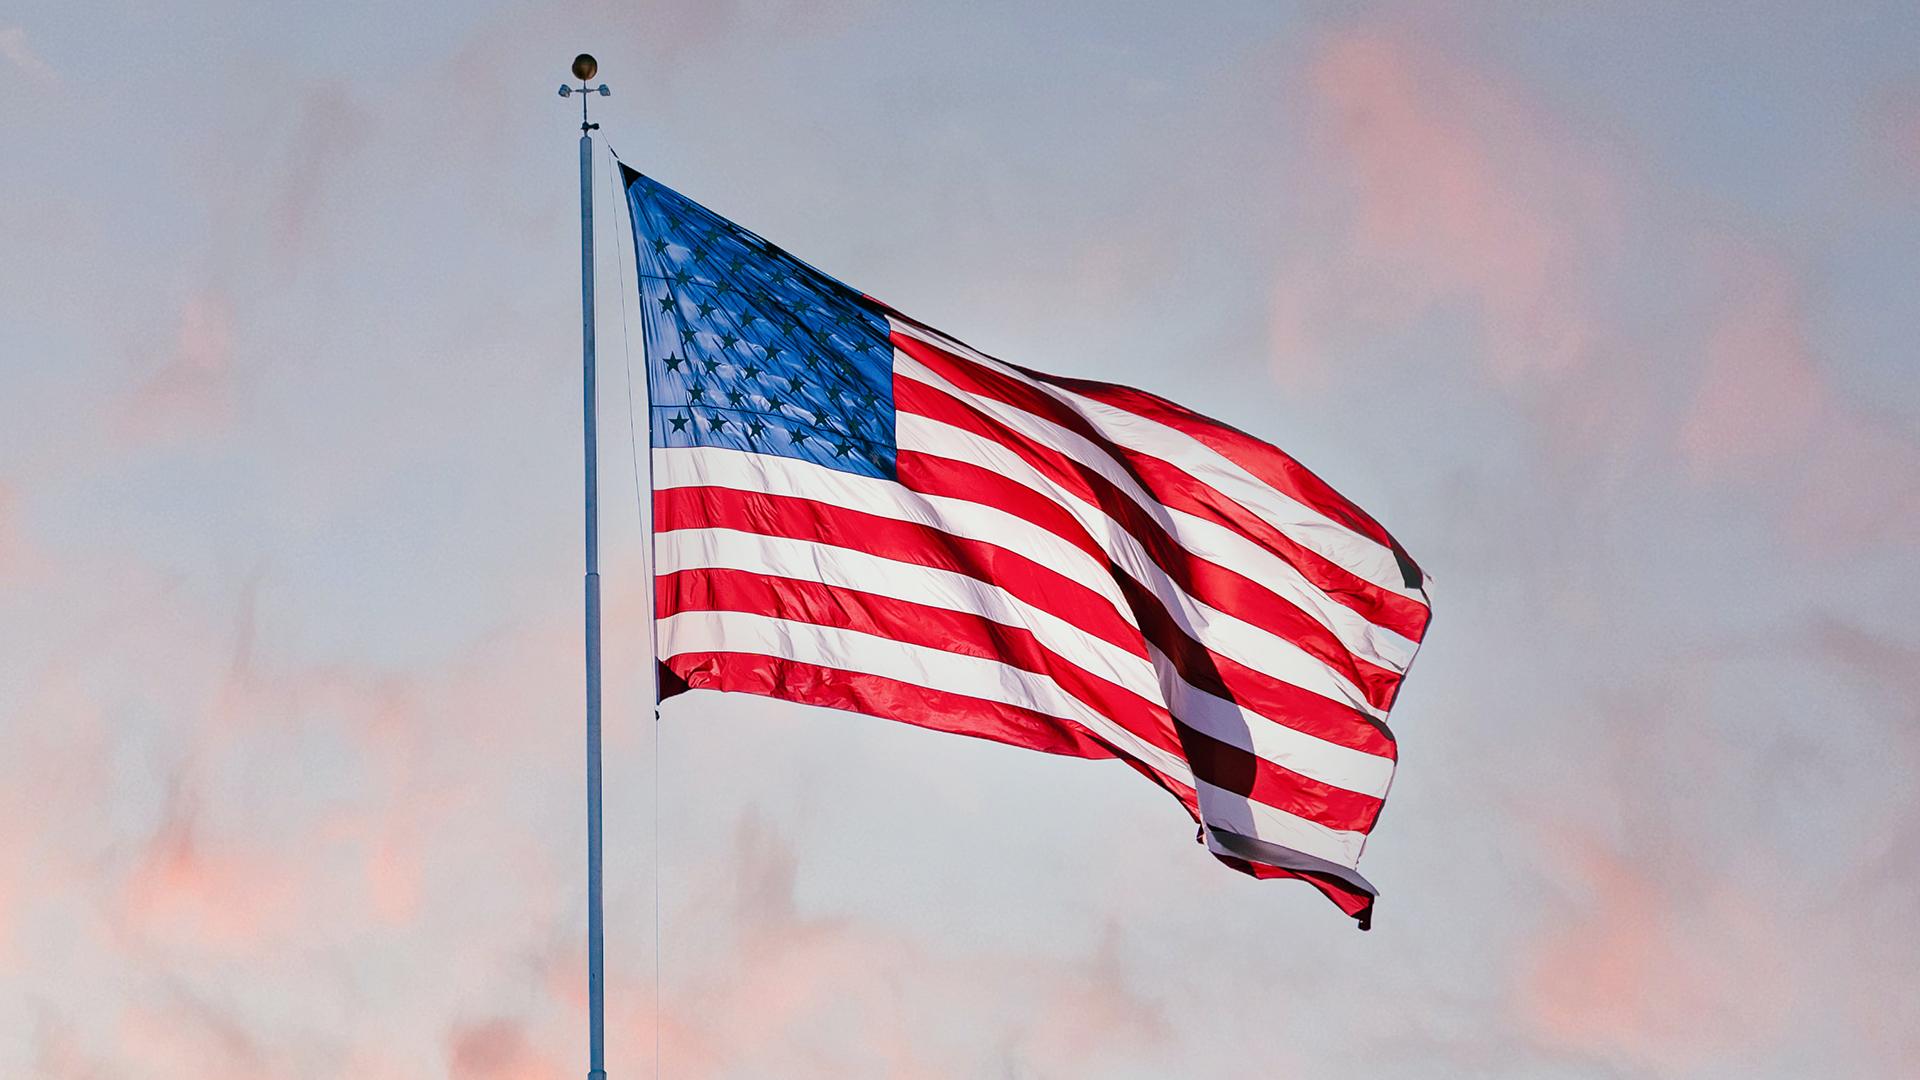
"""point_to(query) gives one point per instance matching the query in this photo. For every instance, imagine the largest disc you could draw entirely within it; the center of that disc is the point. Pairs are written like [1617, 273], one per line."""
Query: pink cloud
[1760, 396]
[1448, 188]
[1654, 966]
[13, 872]
[809, 995]
[57, 742]
[60, 1054]
[183, 1037]
[214, 897]
[15, 558]
[192, 391]
[772, 990]
[1892, 135]
[394, 879]
[328, 129]
[16, 50]
[496, 1049]
[1767, 413]
[220, 879]
[1456, 188]
[1294, 329]
[1862, 486]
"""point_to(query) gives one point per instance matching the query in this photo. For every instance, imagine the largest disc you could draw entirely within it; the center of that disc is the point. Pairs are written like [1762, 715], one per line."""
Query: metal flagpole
[584, 68]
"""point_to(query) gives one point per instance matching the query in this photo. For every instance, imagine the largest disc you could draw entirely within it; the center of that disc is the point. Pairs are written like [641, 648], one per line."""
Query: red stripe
[902, 541]
[1207, 581]
[940, 476]
[1046, 589]
[1275, 699]
[1271, 465]
[1227, 766]
[1221, 764]
[931, 474]
[1354, 902]
[963, 633]
[1168, 484]
[891, 699]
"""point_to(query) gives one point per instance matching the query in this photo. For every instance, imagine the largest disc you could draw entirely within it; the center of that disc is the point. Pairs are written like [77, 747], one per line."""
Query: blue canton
[752, 349]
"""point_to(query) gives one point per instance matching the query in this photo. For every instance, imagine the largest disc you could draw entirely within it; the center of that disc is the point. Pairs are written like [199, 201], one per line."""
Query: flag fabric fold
[854, 510]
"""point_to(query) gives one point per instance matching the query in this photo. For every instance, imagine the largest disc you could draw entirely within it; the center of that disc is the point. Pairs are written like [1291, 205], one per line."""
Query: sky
[1605, 310]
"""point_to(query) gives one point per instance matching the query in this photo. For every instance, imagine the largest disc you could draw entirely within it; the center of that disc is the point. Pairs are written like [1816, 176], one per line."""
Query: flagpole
[584, 68]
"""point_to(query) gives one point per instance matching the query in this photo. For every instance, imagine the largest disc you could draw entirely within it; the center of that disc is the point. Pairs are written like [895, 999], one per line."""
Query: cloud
[497, 1049]
[56, 743]
[192, 393]
[329, 128]
[267, 205]
[14, 555]
[758, 986]
[60, 1054]
[181, 1035]
[242, 861]
[781, 991]
[208, 897]
[1452, 187]
[16, 50]
[1651, 964]
[1760, 397]
[1446, 190]
[1891, 132]
[1766, 413]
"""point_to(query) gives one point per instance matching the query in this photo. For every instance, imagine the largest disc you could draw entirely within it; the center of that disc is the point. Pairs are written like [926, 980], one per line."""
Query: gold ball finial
[585, 67]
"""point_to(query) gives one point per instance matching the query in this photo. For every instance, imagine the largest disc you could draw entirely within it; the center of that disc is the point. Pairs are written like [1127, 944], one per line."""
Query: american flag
[854, 510]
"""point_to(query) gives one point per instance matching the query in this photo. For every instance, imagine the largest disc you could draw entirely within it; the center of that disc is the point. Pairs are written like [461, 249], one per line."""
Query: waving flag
[856, 511]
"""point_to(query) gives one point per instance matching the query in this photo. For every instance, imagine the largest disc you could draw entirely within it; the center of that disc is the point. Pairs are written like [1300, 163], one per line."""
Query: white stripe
[1153, 679]
[779, 475]
[773, 474]
[1237, 813]
[1350, 876]
[1290, 748]
[807, 560]
[1206, 539]
[1304, 753]
[1360, 554]
[1228, 635]
[955, 673]
[1312, 529]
